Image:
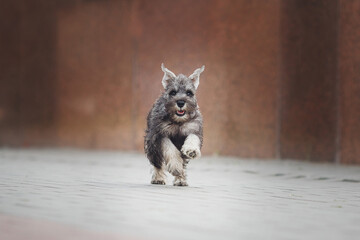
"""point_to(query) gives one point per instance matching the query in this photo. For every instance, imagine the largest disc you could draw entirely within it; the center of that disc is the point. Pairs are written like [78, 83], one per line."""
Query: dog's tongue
[181, 112]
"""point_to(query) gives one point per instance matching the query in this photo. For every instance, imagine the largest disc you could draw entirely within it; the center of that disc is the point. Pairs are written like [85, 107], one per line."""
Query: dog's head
[181, 104]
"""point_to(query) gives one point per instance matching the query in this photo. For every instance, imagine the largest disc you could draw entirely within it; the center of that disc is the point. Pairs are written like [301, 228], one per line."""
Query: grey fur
[165, 121]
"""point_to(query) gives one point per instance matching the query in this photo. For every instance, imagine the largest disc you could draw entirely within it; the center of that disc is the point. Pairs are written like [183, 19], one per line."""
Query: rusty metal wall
[309, 79]
[85, 73]
[349, 82]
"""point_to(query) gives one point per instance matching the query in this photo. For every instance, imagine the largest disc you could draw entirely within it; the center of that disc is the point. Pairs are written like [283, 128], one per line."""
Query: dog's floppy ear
[195, 77]
[168, 75]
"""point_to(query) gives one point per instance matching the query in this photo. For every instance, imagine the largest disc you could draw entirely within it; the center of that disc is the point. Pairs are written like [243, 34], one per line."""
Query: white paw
[161, 182]
[190, 152]
[180, 181]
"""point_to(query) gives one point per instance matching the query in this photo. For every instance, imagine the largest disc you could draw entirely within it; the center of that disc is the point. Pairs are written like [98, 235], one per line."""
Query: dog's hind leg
[180, 180]
[154, 153]
[158, 176]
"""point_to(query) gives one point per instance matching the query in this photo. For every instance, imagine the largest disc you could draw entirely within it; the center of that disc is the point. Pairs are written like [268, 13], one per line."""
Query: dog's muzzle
[180, 113]
[180, 104]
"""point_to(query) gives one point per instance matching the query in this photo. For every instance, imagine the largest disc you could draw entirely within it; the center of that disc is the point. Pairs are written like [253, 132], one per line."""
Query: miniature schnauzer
[174, 133]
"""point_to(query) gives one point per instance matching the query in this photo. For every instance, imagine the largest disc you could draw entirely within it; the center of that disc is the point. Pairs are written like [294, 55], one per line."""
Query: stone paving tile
[108, 194]
[18, 228]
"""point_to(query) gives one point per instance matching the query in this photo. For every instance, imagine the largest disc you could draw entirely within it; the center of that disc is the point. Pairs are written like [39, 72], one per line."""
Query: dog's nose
[180, 103]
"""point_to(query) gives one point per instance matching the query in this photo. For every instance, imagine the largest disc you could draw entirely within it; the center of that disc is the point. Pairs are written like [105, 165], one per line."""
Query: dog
[174, 133]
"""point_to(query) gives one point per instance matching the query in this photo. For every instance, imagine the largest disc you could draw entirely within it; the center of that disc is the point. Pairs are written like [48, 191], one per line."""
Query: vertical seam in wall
[134, 45]
[279, 86]
[338, 90]
[133, 94]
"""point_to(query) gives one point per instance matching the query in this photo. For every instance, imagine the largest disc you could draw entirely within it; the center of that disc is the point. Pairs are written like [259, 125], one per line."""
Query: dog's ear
[195, 77]
[168, 75]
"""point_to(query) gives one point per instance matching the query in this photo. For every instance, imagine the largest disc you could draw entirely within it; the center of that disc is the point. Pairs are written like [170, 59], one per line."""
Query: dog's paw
[161, 182]
[180, 183]
[190, 152]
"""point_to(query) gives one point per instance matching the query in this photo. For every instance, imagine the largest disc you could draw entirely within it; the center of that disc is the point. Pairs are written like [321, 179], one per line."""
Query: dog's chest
[171, 129]
[178, 141]
[177, 134]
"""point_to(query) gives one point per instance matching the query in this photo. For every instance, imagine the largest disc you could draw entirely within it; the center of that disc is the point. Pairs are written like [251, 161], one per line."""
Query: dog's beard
[182, 114]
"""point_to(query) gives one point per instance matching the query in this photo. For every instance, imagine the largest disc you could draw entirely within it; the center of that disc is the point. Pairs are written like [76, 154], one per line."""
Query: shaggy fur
[174, 132]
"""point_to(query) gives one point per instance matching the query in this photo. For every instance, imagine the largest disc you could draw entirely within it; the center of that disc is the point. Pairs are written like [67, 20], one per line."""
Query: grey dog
[174, 133]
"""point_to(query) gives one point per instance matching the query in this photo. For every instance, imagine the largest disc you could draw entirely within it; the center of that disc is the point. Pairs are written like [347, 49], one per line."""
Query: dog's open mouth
[180, 113]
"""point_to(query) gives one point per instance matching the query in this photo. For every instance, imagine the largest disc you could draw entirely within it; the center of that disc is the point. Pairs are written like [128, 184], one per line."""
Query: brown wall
[309, 79]
[94, 107]
[349, 81]
[280, 78]
[28, 35]
[238, 41]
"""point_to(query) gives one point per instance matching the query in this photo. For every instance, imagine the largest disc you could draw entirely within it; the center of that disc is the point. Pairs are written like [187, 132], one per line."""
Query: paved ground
[68, 194]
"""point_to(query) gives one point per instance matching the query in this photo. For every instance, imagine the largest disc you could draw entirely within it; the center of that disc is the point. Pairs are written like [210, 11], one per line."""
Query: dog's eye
[173, 93]
[189, 93]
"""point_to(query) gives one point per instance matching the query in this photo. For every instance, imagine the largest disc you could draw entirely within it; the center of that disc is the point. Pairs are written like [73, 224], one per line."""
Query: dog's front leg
[174, 162]
[191, 147]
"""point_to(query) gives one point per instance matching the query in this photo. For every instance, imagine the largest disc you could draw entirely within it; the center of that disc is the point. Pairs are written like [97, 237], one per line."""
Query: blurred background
[281, 78]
